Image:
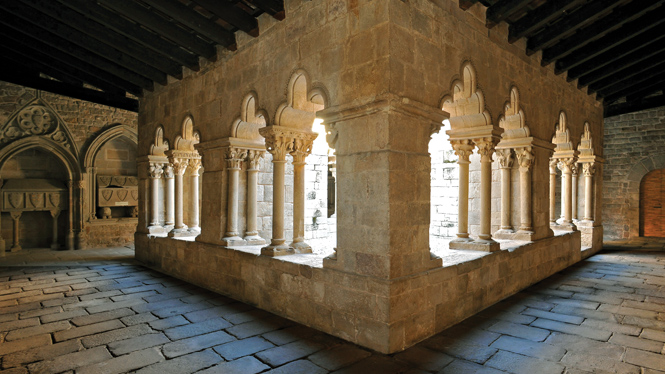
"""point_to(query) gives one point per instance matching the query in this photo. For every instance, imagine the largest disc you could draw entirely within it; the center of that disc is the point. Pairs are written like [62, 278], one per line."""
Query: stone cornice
[230, 142]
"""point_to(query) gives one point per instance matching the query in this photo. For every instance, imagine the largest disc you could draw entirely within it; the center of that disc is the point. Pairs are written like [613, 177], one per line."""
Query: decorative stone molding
[254, 158]
[168, 170]
[566, 165]
[187, 138]
[589, 169]
[160, 145]
[299, 110]
[505, 158]
[235, 157]
[466, 105]
[525, 158]
[250, 121]
[179, 165]
[155, 170]
[463, 148]
[485, 148]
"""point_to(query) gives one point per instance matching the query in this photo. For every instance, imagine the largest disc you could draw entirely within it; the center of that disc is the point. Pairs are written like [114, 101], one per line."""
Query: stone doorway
[652, 199]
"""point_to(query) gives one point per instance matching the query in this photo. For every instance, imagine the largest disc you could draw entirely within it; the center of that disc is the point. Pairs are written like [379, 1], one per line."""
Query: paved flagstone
[100, 311]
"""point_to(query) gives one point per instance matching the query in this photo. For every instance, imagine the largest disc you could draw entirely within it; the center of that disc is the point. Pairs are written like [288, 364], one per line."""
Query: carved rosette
[566, 165]
[195, 166]
[485, 149]
[589, 169]
[155, 170]
[525, 158]
[254, 158]
[463, 149]
[235, 157]
[505, 158]
[168, 171]
[553, 165]
[39, 120]
[302, 147]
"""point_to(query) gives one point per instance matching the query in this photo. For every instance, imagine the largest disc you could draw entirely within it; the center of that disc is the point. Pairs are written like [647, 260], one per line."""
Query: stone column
[588, 170]
[16, 246]
[54, 244]
[525, 160]
[278, 145]
[70, 234]
[2, 240]
[574, 170]
[169, 214]
[505, 164]
[80, 187]
[195, 166]
[485, 149]
[553, 164]
[234, 158]
[92, 174]
[566, 166]
[155, 171]
[463, 149]
[179, 167]
[251, 231]
[302, 147]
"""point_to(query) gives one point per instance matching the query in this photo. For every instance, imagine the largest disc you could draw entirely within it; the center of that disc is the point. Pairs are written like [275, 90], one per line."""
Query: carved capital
[566, 165]
[16, 215]
[331, 134]
[553, 165]
[179, 165]
[195, 166]
[155, 170]
[302, 147]
[235, 157]
[279, 146]
[505, 157]
[485, 149]
[574, 169]
[589, 169]
[168, 171]
[254, 158]
[525, 158]
[463, 149]
[55, 213]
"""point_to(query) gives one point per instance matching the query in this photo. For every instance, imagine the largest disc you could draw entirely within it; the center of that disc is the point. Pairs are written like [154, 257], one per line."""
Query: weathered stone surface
[190, 363]
[240, 348]
[72, 361]
[123, 364]
[245, 365]
[196, 343]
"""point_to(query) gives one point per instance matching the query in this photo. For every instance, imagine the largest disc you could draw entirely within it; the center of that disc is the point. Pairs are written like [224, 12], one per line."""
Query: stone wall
[78, 144]
[634, 147]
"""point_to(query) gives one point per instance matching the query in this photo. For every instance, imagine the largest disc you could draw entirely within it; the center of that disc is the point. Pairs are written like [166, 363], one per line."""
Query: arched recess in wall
[113, 133]
[652, 204]
[298, 133]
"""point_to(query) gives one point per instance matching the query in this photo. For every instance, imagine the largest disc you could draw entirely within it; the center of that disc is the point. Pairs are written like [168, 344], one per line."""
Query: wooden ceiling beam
[466, 4]
[273, 7]
[43, 27]
[613, 21]
[623, 63]
[629, 31]
[503, 9]
[195, 21]
[134, 32]
[634, 106]
[624, 49]
[61, 51]
[637, 89]
[161, 26]
[232, 15]
[103, 37]
[100, 97]
[582, 17]
[627, 73]
[655, 86]
[44, 63]
[539, 17]
[15, 61]
[644, 78]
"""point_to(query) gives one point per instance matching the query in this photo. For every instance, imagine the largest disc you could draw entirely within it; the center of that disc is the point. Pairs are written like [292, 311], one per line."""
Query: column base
[195, 231]
[232, 241]
[157, 230]
[277, 248]
[585, 223]
[69, 241]
[459, 243]
[301, 247]
[177, 233]
[476, 245]
[79, 241]
[2, 247]
[15, 248]
[566, 226]
[524, 235]
[504, 234]
[254, 240]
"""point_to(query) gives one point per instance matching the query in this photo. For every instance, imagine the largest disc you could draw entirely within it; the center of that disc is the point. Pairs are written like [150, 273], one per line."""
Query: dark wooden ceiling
[614, 48]
[109, 51]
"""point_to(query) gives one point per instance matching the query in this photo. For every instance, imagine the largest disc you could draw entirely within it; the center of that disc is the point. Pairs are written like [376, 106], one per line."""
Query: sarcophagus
[34, 195]
[115, 191]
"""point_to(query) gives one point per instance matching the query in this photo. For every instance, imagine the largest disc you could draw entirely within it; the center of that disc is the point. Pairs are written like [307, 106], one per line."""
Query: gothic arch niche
[299, 137]
[652, 204]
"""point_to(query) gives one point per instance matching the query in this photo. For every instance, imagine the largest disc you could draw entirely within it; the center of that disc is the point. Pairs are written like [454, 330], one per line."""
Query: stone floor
[98, 311]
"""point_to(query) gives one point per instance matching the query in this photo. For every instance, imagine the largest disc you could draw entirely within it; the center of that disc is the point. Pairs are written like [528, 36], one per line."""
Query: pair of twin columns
[173, 171]
[569, 173]
[463, 149]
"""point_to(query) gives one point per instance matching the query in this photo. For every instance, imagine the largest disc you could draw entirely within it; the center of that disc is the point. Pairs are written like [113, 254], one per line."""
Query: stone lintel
[476, 132]
[231, 142]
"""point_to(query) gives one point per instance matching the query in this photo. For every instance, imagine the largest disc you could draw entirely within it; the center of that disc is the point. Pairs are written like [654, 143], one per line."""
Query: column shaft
[70, 233]
[485, 199]
[169, 216]
[525, 199]
[252, 183]
[54, 242]
[588, 191]
[195, 165]
[232, 206]
[553, 163]
[154, 202]
[463, 208]
[179, 204]
[16, 217]
[574, 193]
[299, 208]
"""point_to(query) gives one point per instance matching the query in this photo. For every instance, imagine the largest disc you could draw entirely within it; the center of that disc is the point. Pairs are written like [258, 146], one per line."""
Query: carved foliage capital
[553, 165]
[505, 157]
[589, 169]
[566, 165]
[485, 149]
[155, 170]
[525, 158]
[235, 157]
[168, 171]
[463, 149]
[179, 165]
[254, 158]
[279, 146]
[302, 147]
[195, 166]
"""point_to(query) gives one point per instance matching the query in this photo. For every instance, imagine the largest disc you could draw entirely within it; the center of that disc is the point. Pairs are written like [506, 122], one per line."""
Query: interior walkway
[98, 311]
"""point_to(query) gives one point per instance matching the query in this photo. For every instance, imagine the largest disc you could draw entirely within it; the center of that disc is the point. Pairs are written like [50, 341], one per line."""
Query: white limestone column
[70, 234]
[565, 165]
[16, 217]
[463, 149]
[525, 160]
[485, 149]
[278, 145]
[505, 164]
[155, 171]
[301, 149]
[574, 170]
[553, 165]
[169, 209]
[589, 170]
[251, 232]
[234, 158]
[179, 167]
[194, 166]
[54, 243]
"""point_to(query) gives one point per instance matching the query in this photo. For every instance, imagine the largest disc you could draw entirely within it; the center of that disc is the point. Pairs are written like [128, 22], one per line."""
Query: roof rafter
[539, 17]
